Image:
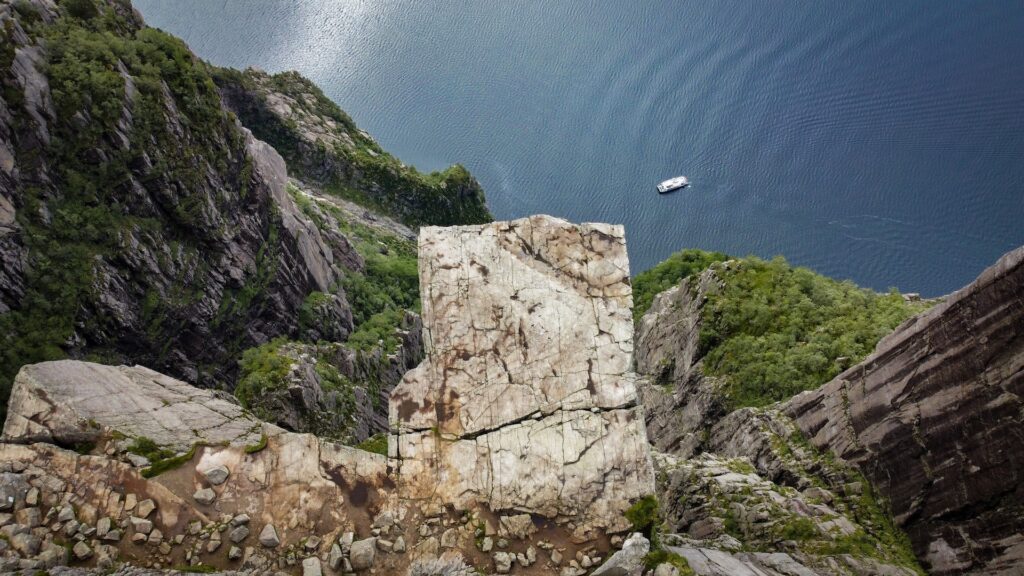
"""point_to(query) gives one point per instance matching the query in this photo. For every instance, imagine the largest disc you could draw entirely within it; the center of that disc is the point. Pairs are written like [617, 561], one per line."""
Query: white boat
[673, 184]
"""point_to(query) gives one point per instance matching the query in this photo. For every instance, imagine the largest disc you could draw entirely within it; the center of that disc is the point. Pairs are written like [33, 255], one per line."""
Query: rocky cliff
[140, 221]
[323, 145]
[934, 419]
[741, 491]
[518, 445]
[527, 394]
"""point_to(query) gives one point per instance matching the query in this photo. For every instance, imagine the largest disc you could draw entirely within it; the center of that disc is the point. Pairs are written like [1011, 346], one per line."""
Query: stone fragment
[26, 544]
[164, 548]
[141, 525]
[29, 517]
[205, 496]
[216, 475]
[666, 570]
[145, 508]
[268, 537]
[70, 528]
[137, 460]
[363, 553]
[629, 561]
[312, 543]
[238, 533]
[334, 557]
[139, 538]
[399, 546]
[520, 526]
[155, 537]
[130, 501]
[212, 546]
[502, 562]
[113, 535]
[450, 538]
[311, 567]
[66, 514]
[556, 557]
[32, 497]
[240, 520]
[102, 527]
[82, 551]
[53, 555]
[385, 545]
[234, 553]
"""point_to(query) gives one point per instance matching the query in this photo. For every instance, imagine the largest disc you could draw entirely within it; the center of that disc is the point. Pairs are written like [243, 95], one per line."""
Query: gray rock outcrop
[934, 418]
[67, 403]
[527, 399]
[681, 403]
[204, 253]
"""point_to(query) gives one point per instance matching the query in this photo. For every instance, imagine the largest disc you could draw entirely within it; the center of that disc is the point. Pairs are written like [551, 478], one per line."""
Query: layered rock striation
[527, 399]
[934, 418]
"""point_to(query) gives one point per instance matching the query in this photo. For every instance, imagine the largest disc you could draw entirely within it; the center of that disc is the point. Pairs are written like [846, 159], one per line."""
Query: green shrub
[263, 369]
[378, 444]
[149, 449]
[654, 558]
[645, 517]
[799, 529]
[158, 467]
[378, 330]
[774, 330]
[667, 274]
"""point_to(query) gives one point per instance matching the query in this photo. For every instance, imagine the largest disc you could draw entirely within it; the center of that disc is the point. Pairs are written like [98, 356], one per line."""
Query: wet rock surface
[935, 420]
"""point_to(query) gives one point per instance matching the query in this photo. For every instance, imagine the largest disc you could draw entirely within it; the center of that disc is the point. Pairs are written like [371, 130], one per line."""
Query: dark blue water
[878, 141]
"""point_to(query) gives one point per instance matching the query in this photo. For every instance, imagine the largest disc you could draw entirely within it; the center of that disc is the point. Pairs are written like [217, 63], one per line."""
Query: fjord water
[877, 141]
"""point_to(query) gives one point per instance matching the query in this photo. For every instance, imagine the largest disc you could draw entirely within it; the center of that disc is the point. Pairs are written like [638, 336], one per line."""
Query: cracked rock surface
[527, 399]
[67, 402]
[934, 418]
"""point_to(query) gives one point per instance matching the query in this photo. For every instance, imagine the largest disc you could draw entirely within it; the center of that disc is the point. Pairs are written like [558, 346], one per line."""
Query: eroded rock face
[225, 258]
[934, 418]
[526, 400]
[349, 410]
[681, 403]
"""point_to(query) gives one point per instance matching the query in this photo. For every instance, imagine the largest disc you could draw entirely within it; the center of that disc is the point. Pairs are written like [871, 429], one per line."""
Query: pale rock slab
[527, 399]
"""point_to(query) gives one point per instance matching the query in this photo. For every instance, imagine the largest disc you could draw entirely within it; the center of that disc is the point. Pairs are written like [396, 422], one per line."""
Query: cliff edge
[934, 418]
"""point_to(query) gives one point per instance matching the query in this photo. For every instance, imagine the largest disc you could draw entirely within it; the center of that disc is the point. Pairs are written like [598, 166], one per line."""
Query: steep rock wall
[934, 418]
[139, 222]
[527, 399]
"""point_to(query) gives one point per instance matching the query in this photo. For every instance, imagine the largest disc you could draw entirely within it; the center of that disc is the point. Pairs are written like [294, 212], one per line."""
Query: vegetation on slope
[389, 283]
[321, 143]
[774, 330]
[67, 232]
[667, 274]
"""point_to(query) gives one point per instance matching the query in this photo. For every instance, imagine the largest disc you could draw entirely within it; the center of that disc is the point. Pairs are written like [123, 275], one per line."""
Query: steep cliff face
[934, 419]
[139, 221]
[527, 395]
[741, 491]
[323, 145]
[517, 446]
